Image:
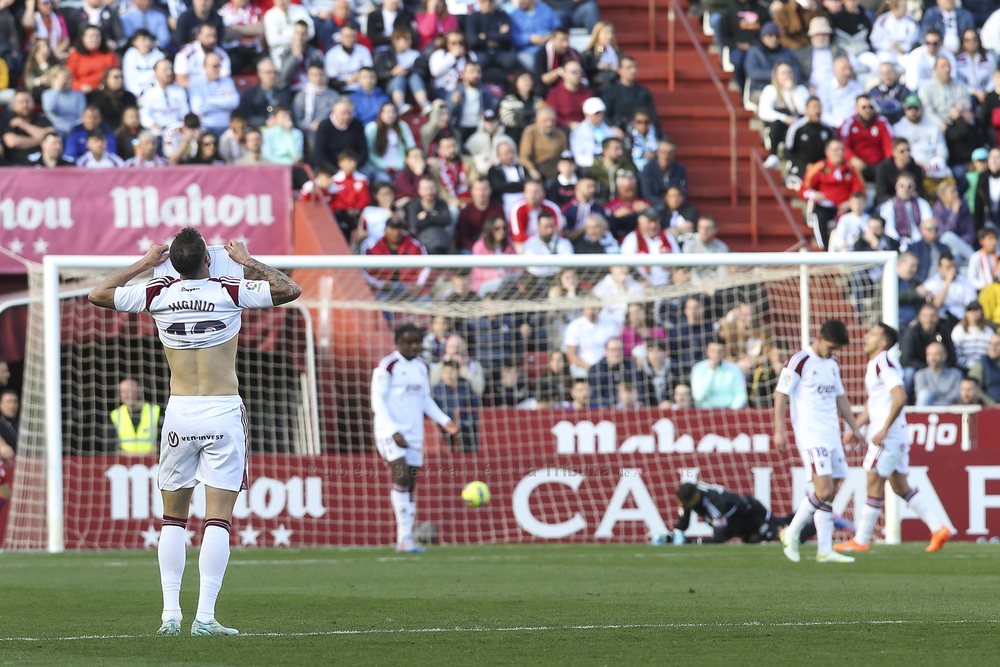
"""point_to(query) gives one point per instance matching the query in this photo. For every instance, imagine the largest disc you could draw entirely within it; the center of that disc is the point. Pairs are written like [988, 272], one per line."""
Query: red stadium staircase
[706, 119]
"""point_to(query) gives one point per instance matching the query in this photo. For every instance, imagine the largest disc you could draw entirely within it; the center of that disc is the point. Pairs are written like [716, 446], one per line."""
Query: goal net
[594, 460]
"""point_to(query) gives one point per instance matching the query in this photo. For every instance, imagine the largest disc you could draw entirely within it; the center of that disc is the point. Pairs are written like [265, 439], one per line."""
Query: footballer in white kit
[401, 396]
[888, 456]
[811, 382]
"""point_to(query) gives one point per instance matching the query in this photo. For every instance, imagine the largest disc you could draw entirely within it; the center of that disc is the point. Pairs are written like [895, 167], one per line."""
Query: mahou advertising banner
[554, 476]
[125, 211]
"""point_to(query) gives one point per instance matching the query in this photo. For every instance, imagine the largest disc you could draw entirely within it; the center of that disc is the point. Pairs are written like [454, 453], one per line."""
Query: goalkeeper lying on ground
[732, 515]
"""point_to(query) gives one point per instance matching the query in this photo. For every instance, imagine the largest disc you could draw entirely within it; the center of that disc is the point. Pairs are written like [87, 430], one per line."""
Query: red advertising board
[554, 475]
[125, 211]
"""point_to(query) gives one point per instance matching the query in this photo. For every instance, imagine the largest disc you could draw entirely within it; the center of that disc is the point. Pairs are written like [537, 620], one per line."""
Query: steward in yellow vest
[137, 439]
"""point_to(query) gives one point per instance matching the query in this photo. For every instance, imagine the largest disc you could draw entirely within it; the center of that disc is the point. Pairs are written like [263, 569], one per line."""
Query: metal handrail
[676, 9]
[757, 163]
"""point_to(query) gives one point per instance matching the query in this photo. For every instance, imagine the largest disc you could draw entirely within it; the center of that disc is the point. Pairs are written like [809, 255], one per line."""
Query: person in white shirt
[546, 242]
[586, 141]
[189, 64]
[346, 60]
[919, 63]
[984, 265]
[97, 155]
[927, 145]
[215, 97]
[147, 155]
[245, 27]
[975, 65]
[971, 336]
[400, 397]
[948, 290]
[616, 290]
[649, 238]
[279, 25]
[139, 61]
[894, 33]
[164, 104]
[904, 213]
[851, 226]
[586, 336]
[941, 92]
[838, 98]
[448, 63]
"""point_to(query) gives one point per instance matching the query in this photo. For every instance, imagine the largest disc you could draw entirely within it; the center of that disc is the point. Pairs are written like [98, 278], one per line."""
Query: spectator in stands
[937, 384]
[352, 192]
[429, 218]
[469, 101]
[394, 67]
[705, 241]
[283, 142]
[888, 171]
[816, 59]
[744, 337]
[654, 372]
[314, 103]
[904, 213]
[649, 238]
[761, 59]
[102, 16]
[975, 65]
[585, 338]
[473, 218]
[254, 143]
[189, 64]
[295, 60]
[606, 374]
[980, 157]
[456, 397]
[389, 140]
[483, 143]
[986, 371]
[555, 382]
[552, 59]
[440, 124]
[587, 138]
[215, 97]
[682, 399]
[140, 60]
[828, 185]
[51, 153]
[375, 215]
[928, 249]
[518, 107]
[851, 225]
[452, 176]
[328, 28]
[494, 241]
[608, 169]
[279, 27]
[984, 265]
[950, 22]
[143, 17]
[76, 140]
[490, 37]
[259, 102]
[970, 393]
[913, 346]
[888, 96]
[447, 66]
[568, 96]
[626, 96]
[457, 350]
[368, 98]
[244, 27]
[664, 172]
[851, 29]
[806, 141]
[676, 214]
[62, 105]
[894, 33]
[111, 97]
[580, 396]
[506, 178]
[963, 137]
[346, 59]
[561, 189]
[793, 20]
[867, 138]
[641, 140]
[581, 207]
[739, 29]
[689, 336]
[616, 290]
[89, 59]
[948, 290]
[764, 378]
[717, 383]
[407, 179]
[546, 242]
[874, 239]
[838, 97]
[395, 283]
[137, 422]
[164, 104]
[511, 390]
[46, 25]
[909, 299]
[626, 207]
[207, 151]
[127, 136]
[958, 227]
[987, 197]
[146, 155]
[532, 25]
[190, 22]
[596, 237]
[782, 102]
[602, 57]
[38, 67]
[434, 341]
[434, 23]
[920, 62]
[971, 336]
[98, 156]
[339, 132]
[940, 92]
[542, 144]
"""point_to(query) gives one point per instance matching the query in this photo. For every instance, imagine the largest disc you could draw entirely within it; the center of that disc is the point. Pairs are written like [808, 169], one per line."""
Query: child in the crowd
[562, 189]
[851, 225]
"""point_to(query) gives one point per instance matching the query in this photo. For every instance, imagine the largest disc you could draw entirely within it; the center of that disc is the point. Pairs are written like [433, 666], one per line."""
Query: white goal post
[54, 266]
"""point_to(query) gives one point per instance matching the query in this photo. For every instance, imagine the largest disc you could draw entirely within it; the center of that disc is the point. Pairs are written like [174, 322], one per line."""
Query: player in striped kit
[888, 455]
[401, 396]
[811, 381]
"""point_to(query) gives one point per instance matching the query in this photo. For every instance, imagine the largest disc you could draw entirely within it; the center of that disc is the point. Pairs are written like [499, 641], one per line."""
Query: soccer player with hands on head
[401, 396]
[205, 427]
[811, 382]
[888, 456]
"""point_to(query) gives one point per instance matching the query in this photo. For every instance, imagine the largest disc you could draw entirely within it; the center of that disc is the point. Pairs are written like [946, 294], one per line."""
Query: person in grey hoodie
[61, 103]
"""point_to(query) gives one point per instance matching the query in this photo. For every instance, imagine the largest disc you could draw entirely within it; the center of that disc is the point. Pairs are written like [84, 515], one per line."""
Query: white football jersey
[881, 377]
[813, 385]
[401, 396]
[194, 314]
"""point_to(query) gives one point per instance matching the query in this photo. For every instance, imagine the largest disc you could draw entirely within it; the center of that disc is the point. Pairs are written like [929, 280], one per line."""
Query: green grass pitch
[549, 604]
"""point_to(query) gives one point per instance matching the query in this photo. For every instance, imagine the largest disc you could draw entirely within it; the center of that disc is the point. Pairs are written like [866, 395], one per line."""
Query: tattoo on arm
[283, 288]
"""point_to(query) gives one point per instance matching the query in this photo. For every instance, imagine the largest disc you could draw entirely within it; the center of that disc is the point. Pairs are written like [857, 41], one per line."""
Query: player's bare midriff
[209, 371]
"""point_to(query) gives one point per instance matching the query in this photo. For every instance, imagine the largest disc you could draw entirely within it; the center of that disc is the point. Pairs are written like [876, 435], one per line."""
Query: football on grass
[476, 494]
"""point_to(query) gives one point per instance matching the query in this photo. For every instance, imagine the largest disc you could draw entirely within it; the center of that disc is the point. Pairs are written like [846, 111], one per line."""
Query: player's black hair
[686, 491]
[405, 330]
[889, 335]
[834, 331]
[187, 252]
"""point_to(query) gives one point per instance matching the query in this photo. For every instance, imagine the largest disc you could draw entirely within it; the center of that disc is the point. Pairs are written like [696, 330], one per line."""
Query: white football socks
[869, 517]
[803, 514]
[824, 529]
[411, 517]
[401, 508]
[918, 502]
[171, 554]
[212, 566]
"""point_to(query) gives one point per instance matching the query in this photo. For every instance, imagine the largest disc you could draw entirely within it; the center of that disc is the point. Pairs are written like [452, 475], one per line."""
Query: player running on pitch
[204, 436]
[888, 456]
[730, 515]
[401, 396]
[811, 381]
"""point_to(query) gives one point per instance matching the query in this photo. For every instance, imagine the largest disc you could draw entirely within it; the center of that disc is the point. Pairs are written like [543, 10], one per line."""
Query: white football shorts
[390, 451]
[892, 456]
[828, 459]
[204, 439]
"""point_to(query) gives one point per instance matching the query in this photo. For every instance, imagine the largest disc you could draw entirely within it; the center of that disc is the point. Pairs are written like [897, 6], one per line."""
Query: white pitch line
[538, 628]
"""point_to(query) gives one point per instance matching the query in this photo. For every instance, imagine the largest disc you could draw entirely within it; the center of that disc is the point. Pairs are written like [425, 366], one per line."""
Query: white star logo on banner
[150, 537]
[16, 246]
[41, 246]
[145, 243]
[281, 536]
[248, 536]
